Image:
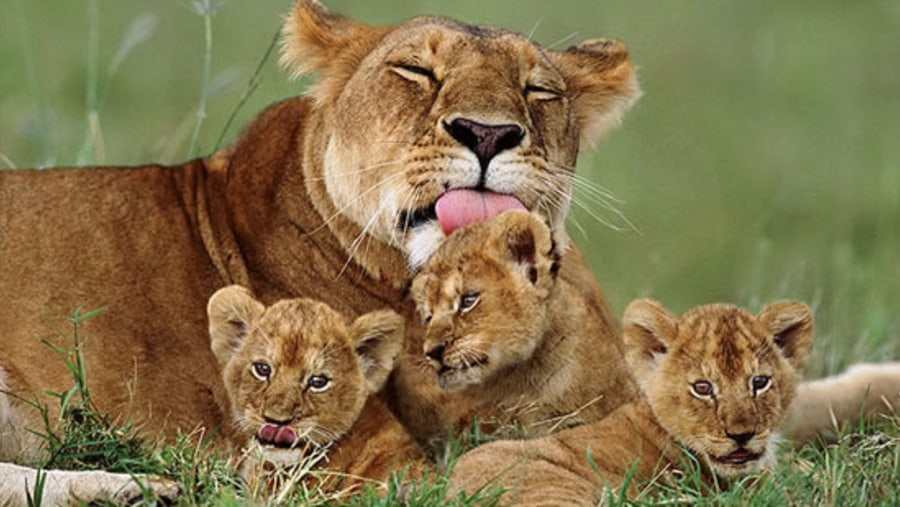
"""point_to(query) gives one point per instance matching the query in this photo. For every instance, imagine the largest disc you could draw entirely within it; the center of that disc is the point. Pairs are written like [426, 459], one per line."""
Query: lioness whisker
[364, 169]
[357, 241]
[340, 212]
[558, 199]
[580, 181]
[404, 205]
[578, 200]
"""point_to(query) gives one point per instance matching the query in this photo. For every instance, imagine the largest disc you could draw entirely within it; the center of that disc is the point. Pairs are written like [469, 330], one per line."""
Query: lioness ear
[525, 241]
[314, 39]
[601, 82]
[377, 338]
[791, 325]
[231, 312]
[648, 329]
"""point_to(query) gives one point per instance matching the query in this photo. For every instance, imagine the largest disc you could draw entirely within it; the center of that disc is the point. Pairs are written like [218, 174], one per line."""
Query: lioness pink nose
[278, 435]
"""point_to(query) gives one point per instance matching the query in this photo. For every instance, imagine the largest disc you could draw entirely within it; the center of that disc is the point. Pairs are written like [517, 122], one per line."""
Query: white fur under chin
[423, 241]
[282, 456]
[288, 456]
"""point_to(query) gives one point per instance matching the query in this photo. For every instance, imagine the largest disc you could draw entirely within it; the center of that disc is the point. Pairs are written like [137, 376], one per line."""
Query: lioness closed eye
[715, 383]
[300, 379]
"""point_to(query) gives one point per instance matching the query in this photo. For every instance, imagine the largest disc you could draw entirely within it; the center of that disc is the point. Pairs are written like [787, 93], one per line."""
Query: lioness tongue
[459, 208]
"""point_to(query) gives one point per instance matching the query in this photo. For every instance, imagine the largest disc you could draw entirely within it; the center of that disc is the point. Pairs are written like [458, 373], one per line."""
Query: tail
[822, 408]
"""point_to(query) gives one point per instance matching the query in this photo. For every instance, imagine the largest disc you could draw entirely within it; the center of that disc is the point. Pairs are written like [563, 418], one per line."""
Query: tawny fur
[864, 391]
[345, 425]
[526, 351]
[731, 430]
[309, 201]
[313, 199]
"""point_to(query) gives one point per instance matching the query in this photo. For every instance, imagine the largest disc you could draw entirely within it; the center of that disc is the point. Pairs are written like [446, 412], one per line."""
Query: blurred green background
[762, 163]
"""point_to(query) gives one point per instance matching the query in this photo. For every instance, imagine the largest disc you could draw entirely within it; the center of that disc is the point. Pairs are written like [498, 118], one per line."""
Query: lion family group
[381, 261]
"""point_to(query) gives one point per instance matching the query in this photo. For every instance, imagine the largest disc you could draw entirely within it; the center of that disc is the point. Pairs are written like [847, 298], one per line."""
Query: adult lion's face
[434, 124]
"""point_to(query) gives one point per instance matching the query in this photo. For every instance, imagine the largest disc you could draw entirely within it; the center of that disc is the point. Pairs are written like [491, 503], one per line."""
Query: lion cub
[715, 383]
[300, 382]
[504, 330]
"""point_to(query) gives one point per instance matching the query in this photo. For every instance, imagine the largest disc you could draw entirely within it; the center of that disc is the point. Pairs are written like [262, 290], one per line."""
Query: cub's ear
[377, 338]
[648, 329]
[314, 39]
[525, 241]
[791, 325]
[231, 312]
[602, 83]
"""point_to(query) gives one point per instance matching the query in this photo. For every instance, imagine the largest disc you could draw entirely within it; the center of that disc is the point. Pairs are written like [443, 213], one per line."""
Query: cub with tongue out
[300, 381]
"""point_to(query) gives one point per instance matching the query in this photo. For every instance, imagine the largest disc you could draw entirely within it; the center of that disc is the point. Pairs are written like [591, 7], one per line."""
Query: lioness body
[145, 243]
[83, 238]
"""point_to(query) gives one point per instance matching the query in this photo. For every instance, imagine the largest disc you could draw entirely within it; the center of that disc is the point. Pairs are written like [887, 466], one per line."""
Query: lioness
[301, 385]
[332, 195]
[715, 382]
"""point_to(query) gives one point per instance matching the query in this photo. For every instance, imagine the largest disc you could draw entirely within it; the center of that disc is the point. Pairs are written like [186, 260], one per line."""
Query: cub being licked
[301, 384]
[715, 382]
[514, 338]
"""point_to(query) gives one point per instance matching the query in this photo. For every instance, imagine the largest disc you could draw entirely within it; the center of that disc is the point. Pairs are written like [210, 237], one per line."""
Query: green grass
[761, 164]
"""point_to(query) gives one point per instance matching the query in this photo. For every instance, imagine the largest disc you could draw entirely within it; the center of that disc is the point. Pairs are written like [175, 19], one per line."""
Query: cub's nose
[741, 438]
[486, 141]
[437, 353]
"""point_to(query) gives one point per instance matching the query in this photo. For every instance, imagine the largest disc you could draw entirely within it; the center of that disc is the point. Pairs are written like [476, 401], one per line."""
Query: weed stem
[204, 90]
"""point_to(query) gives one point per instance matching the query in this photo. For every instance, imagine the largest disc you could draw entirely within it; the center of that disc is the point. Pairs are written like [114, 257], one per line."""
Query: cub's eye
[261, 370]
[702, 389]
[410, 71]
[760, 384]
[426, 320]
[318, 383]
[468, 301]
[541, 92]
